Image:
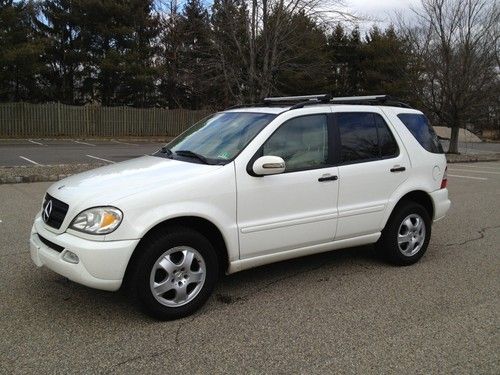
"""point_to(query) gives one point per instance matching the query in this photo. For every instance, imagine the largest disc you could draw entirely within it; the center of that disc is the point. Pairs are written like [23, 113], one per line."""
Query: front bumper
[441, 203]
[101, 265]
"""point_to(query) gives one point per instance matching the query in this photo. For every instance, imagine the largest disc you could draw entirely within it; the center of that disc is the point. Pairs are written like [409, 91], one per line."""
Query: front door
[297, 208]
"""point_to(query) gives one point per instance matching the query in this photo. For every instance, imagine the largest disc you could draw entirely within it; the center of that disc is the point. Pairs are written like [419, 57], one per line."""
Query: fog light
[70, 257]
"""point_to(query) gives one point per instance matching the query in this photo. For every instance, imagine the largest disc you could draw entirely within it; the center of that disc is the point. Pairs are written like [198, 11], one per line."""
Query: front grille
[54, 217]
[50, 244]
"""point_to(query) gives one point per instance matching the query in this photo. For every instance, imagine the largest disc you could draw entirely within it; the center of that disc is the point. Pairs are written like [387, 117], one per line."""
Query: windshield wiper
[166, 150]
[192, 154]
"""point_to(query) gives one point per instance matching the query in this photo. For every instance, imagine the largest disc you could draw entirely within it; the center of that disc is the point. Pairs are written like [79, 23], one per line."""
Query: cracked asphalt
[339, 312]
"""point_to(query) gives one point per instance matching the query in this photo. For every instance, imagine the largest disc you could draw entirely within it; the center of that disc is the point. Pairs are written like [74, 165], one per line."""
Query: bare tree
[455, 45]
[269, 33]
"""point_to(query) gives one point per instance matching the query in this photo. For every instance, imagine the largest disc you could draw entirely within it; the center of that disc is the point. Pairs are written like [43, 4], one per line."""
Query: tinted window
[387, 143]
[419, 126]
[302, 142]
[364, 136]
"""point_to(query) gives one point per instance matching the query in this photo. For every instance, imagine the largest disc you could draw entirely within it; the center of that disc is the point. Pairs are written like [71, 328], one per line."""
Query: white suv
[246, 187]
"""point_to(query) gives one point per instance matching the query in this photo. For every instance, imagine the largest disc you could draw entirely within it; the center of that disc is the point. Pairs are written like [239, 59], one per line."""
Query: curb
[457, 158]
[26, 174]
[32, 178]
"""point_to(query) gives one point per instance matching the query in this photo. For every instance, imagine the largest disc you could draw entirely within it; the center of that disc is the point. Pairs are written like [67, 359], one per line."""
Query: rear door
[372, 164]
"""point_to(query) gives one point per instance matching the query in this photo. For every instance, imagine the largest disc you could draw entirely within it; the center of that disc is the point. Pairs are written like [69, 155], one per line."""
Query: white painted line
[82, 143]
[31, 161]
[124, 143]
[472, 178]
[106, 160]
[472, 171]
[37, 143]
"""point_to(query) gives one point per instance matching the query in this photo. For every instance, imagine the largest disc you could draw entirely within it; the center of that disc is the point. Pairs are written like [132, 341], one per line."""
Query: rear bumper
[101, 264]
[441, 203]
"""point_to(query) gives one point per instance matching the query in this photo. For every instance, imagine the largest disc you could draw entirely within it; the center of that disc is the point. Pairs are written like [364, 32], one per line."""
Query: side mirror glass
[267, 165]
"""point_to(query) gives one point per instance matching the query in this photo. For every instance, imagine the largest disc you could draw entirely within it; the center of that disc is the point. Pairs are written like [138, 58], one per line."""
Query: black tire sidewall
[151, 250]
[389, 243]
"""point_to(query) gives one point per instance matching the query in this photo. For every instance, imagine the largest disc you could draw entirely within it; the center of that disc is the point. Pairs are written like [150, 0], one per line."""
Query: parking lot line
[472, 171]
[82, 143]
[31, 161]
[37, 143]
[95, 157]
[124, 143]
[472, 178]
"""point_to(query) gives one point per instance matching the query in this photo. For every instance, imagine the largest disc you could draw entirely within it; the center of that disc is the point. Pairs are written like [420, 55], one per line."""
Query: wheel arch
[419, 196]
[200, 224]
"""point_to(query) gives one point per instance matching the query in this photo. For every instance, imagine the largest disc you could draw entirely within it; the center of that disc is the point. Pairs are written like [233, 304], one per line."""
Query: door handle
[328, 178]
[398, 169]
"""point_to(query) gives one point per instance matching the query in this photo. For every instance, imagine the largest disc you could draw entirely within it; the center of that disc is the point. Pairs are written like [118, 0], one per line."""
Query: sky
[381, 10]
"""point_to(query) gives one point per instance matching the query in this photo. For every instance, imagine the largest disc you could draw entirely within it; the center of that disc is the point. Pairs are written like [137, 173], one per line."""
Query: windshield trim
[219, 161]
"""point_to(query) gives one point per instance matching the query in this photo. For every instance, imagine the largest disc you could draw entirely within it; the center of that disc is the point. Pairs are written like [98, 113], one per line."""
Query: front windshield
[220, 137]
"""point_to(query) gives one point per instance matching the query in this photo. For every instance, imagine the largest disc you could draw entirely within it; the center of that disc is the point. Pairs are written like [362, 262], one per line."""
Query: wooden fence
[59, 120]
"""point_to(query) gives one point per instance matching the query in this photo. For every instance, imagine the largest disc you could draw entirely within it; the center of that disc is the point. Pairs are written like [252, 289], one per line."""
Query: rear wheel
[175, 273]
[407, 233]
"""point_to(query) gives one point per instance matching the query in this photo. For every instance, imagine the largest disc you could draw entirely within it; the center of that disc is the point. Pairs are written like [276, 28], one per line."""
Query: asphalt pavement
[340, 312]
[29, 152]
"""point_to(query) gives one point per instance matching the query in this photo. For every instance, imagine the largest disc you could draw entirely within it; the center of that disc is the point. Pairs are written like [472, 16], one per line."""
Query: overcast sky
[382, 10]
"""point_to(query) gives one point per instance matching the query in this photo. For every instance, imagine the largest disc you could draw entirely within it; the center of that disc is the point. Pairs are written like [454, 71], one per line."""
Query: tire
[175, 273]
[406, 235]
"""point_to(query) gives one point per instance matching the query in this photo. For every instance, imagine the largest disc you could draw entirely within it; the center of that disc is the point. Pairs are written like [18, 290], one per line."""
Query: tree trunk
[453, 148]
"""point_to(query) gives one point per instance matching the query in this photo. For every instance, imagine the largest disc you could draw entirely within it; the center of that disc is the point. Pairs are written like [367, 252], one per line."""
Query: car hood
[104, 185]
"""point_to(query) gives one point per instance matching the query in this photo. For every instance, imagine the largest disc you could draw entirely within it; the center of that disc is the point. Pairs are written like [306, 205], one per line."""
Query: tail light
[444, 181]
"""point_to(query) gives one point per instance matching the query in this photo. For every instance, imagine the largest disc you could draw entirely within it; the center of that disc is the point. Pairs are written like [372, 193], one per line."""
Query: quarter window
[421, 129]
[364, 136]
[302, 142]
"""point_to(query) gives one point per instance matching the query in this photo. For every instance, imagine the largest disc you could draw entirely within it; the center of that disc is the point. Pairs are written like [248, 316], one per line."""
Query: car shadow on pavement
[63, 298]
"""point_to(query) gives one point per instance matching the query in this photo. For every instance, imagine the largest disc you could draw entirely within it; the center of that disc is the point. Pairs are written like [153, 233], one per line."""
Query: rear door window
[421, 129]
[364, 136]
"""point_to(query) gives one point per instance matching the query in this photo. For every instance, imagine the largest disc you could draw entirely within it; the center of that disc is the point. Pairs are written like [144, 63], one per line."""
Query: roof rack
[323, 98]
[305, 100]
[370, 100]
[285, 101]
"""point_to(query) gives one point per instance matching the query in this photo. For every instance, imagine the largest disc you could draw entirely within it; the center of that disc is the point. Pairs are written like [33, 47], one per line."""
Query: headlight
[97, 220]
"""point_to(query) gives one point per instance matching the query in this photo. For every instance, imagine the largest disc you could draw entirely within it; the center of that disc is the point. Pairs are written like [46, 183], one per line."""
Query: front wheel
[406, 235]
[174, 274]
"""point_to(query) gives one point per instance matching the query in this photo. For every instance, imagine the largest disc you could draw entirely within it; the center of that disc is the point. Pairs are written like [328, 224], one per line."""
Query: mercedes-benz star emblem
[46, 211]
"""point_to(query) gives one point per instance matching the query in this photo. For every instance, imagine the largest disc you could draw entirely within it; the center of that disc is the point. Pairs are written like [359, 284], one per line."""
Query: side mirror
[266, 165]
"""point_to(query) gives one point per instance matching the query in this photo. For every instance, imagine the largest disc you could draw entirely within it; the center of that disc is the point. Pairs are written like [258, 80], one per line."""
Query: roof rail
[370, 100]
[323, 98]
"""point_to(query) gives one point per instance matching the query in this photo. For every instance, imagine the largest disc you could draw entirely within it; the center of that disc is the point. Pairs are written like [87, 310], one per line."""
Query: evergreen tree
[20, 51]
[231, 58]
[118, 50]
[195, 52]
[338, 51]
[56, 26]
[140, 70]
[385, 64]
[346, 57]
[304, 61]
[172, 89]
